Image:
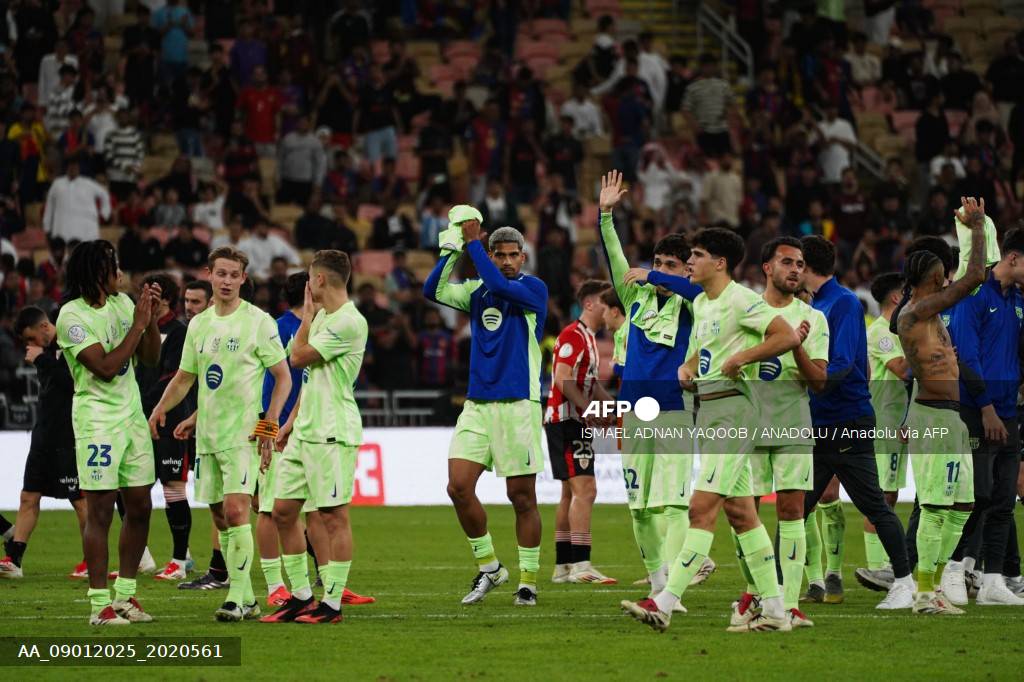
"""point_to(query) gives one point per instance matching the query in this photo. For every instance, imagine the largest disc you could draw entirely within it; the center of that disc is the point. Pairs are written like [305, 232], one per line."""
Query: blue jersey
[846, 395]
[985, 328]
[287, 325]
[506, 318]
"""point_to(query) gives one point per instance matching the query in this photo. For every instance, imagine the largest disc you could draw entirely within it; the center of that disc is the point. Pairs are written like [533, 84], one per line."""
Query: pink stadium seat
[462, 48]
[408, 167]
[406, 143]
[374, 263]
[439, 72]
[465, 64]
[547, 27]
[29, 239]
[903, 119]
[528, 49]
[369, 212]
[599, 7]
[869, 97]
[540, 65]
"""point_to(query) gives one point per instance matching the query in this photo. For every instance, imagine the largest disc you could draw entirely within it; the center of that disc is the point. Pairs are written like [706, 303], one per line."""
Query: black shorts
[52, 473]
[172, 459]
[570, 449]
[714, 144]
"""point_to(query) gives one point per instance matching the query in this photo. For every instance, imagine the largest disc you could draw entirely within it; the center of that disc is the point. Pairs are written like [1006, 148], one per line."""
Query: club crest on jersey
[648, 315]
[705, 360]
[232, 344]
[214, 376]
[945, 319]
[769, 369]
[96, 475]
[491, 318]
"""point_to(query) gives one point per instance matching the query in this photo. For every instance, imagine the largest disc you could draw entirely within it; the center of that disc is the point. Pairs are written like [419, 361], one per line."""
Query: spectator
[817, 221]
[189, 107]
[722, 194]
[388, 184]
[75, 204]
[950, 155]
[49, 69]
[564, 154]
[982, 110]
[659, 178]
[959, 85]
[767, 230]
[979, 181]
[175, 24]
[458, 113]
[650, 68]
[708, 103]
[488, 148]
[100, 117]
[400, 284]
[891, 228]
[138, 251]
[260, 105]
[124, 153]
[865, 68]
[181, 178]
[436, 352]
[554, 265]
[278, 287]
[600, 63]
[938, 217]
[170, 212]
[916, 87]
[350, 28]
[31, 137]
[140, 43]
[433, 146]
[434, 220]
[631, 122]
[209, 212]
[137, 210]
[522, 154]
[949, 183]
[932, 134]
[301, 164]
[678, 79]
[248, 203]
[393, 344]
[558, 210]
[837, 139]
[586, 116]
[1015, 131]
[61, 102]
[247, 54]
[236, 235]
[313, 230]
[220, 91]
[849, 215]
[1006, 73]
[392, 230]
[262, 247]
[377, 119]
[49, 271]
[497, 208]
[184, 251]
[77, 141]
[342, 181]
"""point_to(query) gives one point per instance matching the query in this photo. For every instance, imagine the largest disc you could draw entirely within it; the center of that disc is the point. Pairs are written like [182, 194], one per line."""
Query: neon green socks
[696, 548]
[677, 522]
[334, 586]
[649, 538]
[833, 527]
[929, 544]
[99, 599]
[297, 568]
[529, 564]
[751, 588]
[793, 554]
[812, 566]
[483, 551]
[874, 551]
[272, 573]
[240, 564]
[124, 588]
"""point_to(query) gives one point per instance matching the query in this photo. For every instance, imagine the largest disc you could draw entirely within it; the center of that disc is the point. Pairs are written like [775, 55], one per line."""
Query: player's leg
[138, 507]
[891, 462]
[998, 520]
[339, 532]
[296, 563]
[824, 453]
[833, 530]
[759, 555]
[171, 457]
[78, 504]
[522, 493]
[24, 524]
[562, 463]
[100, 513]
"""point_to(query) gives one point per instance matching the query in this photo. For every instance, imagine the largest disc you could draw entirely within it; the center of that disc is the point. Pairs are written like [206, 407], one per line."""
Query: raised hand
[470, 230]
[611, 190]
[972, 212]
[638, 275]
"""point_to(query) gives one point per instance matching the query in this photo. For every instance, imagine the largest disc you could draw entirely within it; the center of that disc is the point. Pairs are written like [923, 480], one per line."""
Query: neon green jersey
[99, 407]
[619, 339]
[780, 389]
[229, 356]
[729, 324]
[327, 410]
[888, 392]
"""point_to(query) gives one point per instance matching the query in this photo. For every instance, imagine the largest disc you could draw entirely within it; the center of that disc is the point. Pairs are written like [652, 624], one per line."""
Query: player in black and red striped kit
[574, 384]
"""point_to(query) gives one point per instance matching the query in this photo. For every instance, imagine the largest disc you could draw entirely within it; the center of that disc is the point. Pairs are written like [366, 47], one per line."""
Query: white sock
[772, 607]
[490, 567]
[666, 601]
[273, 588]
[146, 556]
[968, 563]
[659, 579]
[303, 594]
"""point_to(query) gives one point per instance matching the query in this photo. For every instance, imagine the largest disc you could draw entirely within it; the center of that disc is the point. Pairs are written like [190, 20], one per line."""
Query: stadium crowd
[281, 128]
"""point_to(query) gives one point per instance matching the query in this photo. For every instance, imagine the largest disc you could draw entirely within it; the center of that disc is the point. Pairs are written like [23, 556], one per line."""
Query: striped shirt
[58, 110]
[708, 99]
[124, 151]
[576, 347]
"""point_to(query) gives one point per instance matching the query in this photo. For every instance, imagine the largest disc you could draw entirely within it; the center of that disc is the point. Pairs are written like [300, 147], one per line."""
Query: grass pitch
[418, 565]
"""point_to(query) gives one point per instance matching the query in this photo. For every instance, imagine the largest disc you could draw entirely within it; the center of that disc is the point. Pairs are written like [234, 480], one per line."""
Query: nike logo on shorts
[334, 493]
[708, 479]
[245, 477]
[846, 449]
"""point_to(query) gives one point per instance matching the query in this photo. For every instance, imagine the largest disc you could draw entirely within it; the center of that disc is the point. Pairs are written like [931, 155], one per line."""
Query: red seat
[440, 72]
[369, 212]
[375, 263]
[528, 49]
[380, 51]
[29, 239]
[902, 119]
[406, 143]
[599, 7]
[547, 27]
[540, 65]
[956, 120]
[465, 64]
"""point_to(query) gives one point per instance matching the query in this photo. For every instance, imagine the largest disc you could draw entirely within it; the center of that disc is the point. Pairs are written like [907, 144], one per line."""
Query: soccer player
[888, 372]
[842, 416]
[574, 384]
[657, 471]
[942, 463]
[266, 531]
[102, 333]
[986, 330]
[172, 456]
[781, 461]
[615, 321]
[500, 424]
[50, 468]
[230, 345]
[318, 463]
[734, 328]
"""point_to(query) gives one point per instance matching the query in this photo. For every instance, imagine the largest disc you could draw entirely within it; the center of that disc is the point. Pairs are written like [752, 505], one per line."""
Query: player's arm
[814, 372]
[177, 388]
[677, 285]
[562, 377]
[282, 387]
[530, 293]
[966, 329]
[812, 354]
[437, 287]
[900, 367]
[286, 428]
[973, 215]
[779, 338]
[611, 193]
[106, 365]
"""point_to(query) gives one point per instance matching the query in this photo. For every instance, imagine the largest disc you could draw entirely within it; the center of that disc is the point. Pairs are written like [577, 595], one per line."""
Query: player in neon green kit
[734, 328]
[783, 461]
[102, 333]
[889, 372]
[230, 345]
[319, 460]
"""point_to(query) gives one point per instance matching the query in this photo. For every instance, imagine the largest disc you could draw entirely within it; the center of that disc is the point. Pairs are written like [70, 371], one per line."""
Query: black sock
[218, 569]
[179, 518]
[16, 550]
[580, 553]
[5, 525]
[309, 549]
[563, 552]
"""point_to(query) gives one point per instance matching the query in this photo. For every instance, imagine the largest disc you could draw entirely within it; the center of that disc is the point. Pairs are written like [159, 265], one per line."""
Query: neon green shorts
[322, 474]
[265, 483]
[782, 467]
[940, 452]
[228, 472]
[123, 459]
[724, 449]
[503, 435]
[891, 459]
[657, 470]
